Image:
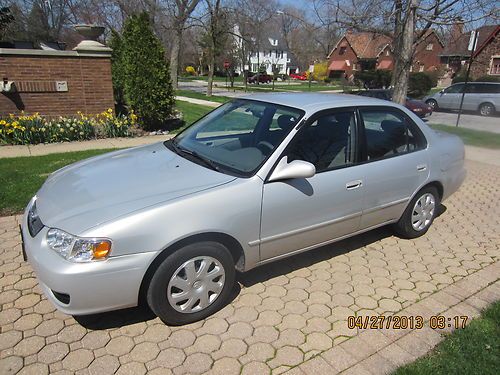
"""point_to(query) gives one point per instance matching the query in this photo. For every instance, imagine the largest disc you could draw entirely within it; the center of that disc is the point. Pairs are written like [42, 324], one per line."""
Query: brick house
[486, 57]
[359, 51]
[368, 51]
[428, 49]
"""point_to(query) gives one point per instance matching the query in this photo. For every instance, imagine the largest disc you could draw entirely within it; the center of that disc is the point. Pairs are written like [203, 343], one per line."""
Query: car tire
[486, 109]
[433, 104]
[419, 215]
[180, 293]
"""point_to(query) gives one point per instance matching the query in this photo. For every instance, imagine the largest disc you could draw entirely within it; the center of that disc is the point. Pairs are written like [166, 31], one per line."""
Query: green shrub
[458, 78]
[33, 129]
[419, 85]
[147, 85]
[117, 71]
[488, 79]
[373, 79]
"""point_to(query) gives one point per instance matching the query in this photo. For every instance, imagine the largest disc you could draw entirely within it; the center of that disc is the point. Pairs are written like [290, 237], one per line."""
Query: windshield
[238, 136]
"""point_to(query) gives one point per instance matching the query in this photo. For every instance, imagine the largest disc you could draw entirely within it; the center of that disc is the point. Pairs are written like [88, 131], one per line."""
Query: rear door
[395, 161]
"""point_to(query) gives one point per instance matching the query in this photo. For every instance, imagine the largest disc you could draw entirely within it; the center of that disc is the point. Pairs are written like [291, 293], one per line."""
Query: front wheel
[486, 109]
[432, 103]
[419, 214]
[192, 283]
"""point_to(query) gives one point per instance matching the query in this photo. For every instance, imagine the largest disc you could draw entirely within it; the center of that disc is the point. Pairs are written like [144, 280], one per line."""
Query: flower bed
[33, 129]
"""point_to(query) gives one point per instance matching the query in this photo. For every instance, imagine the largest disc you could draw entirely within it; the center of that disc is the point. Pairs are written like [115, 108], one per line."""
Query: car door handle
[421, 167]
[354, 184]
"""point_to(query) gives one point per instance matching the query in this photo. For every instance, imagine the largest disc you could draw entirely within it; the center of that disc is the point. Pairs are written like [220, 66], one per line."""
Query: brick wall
[88, 80]
[482, 62]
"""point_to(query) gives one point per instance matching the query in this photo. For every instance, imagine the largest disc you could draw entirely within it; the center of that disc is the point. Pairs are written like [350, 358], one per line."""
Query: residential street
[470, 121]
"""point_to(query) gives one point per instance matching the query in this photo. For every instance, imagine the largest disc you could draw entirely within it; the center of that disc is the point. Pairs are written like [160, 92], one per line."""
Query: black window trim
[362, 136]
[307, 122]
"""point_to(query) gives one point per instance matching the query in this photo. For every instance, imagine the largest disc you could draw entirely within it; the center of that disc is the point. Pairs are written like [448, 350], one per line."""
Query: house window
[279, 54]
[495, 66]
[342, 50]
[354, 67]
[421, 68]
[387, 52]
[429, 47]
[255, 67]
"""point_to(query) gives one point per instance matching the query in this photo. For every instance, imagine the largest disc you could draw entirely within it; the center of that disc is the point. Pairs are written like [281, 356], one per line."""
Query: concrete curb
[382, 351]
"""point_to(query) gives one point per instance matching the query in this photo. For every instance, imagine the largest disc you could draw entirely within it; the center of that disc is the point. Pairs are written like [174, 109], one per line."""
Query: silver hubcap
[423, 212]
[486, 110]
[196, 284]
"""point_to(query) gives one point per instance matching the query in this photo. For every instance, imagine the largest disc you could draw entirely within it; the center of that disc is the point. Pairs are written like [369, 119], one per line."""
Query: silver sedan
[256, 180]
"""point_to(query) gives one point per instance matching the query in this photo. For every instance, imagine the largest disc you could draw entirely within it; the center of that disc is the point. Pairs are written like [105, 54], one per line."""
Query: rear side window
[389, 133]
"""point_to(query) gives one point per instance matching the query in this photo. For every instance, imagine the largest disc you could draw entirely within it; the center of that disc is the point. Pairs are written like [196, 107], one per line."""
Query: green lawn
[199, 95]
[21, 177]
[191, 112]
[473, 350]
[472, 137]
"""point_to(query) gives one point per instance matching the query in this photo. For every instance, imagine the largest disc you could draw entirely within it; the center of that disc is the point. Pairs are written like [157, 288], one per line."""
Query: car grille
[35, 225]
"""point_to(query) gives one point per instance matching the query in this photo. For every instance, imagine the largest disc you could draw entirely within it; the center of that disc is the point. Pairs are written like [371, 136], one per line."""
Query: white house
[272, 53]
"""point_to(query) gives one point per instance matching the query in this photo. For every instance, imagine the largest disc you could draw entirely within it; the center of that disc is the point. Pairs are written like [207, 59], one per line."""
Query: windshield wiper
[197, 156]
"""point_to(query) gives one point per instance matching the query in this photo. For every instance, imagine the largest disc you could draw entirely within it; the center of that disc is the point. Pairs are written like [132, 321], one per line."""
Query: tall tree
[179, 12]
[6, 17]
[215, 35]
[147, 86]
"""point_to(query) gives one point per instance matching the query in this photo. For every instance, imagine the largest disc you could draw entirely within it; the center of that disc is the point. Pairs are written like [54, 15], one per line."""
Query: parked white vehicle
[483, 97]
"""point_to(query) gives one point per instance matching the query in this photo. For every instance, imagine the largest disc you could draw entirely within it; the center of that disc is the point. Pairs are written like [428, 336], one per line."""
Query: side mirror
[441, 92]
[294, 169]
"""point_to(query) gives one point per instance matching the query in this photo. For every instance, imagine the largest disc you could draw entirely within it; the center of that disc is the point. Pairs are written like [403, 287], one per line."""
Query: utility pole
[472, 48]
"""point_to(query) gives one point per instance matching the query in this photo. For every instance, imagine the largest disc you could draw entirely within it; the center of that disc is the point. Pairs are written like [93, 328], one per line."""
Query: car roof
[313, 102]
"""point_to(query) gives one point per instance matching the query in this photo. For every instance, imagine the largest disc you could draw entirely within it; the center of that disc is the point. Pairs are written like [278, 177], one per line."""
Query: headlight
[78, 249]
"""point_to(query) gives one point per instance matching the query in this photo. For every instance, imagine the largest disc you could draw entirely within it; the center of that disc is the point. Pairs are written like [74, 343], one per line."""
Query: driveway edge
[382, 351]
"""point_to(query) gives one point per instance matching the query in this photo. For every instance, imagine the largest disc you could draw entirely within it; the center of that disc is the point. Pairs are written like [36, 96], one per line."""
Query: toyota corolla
[256, 180]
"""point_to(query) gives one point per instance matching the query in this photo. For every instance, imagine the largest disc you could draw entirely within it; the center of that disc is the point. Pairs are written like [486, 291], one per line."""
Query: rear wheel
[486, 109]
[433, 104]
[419, 214]
[192, 283]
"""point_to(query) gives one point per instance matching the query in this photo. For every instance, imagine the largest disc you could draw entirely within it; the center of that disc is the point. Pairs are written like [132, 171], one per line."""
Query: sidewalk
[482, 155]
[207, 103]
[52, 148]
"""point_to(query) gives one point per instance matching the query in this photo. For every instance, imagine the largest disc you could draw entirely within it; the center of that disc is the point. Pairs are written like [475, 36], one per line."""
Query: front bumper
[92, 287]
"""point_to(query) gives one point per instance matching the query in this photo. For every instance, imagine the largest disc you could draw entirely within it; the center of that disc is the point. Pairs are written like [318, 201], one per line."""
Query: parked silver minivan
[483, 97]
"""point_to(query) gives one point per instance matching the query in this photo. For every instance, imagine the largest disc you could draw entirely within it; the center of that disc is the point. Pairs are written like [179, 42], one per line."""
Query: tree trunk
[404, 54]
[174, 57]
[211, 67]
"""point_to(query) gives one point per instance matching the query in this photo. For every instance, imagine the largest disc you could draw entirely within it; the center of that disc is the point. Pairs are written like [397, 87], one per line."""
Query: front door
[302, 213]
[450, 97]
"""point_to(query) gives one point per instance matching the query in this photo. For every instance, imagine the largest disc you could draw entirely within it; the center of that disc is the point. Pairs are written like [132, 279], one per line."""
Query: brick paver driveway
[284, 314]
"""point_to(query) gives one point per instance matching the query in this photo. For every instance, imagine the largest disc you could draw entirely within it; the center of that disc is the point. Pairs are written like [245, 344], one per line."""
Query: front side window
[389, 133]
[328, 142]
[455, 89]
[237, 137]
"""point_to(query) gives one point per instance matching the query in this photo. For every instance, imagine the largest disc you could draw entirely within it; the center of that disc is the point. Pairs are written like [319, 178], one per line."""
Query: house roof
[266, 43]
[365, 45]
[492, 35]
[458, 46]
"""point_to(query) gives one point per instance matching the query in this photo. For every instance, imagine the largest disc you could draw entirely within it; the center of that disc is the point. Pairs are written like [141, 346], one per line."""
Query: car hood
[93, 191]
